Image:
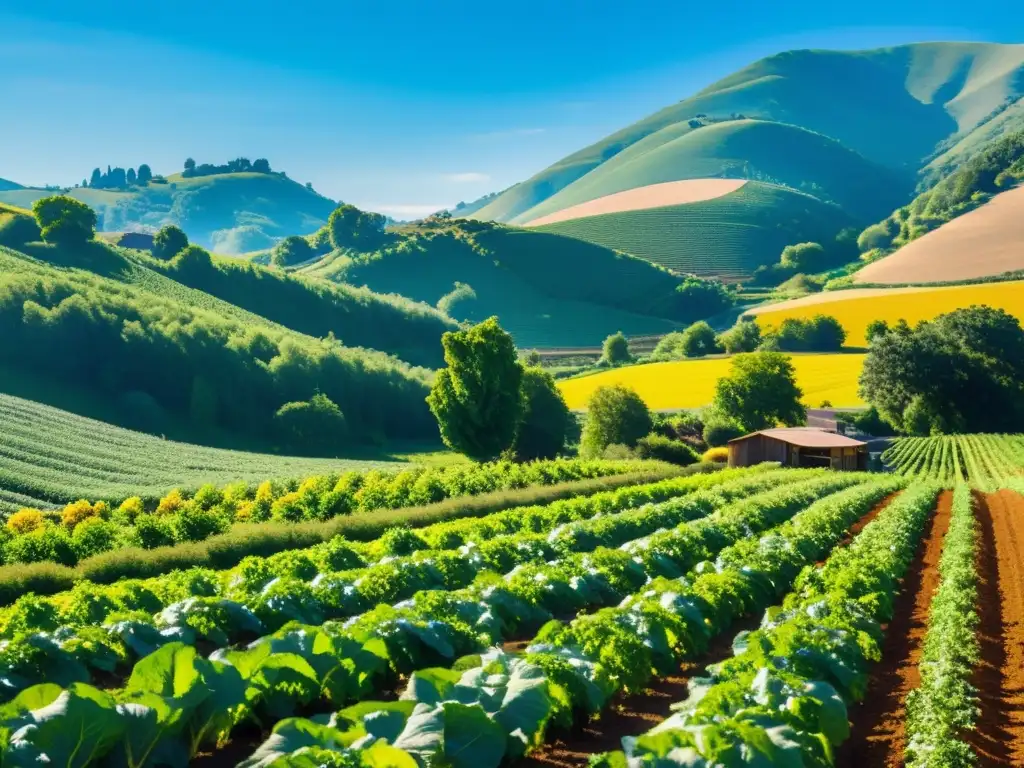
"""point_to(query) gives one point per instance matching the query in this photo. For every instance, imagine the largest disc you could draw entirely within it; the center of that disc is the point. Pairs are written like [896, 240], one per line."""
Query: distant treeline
[239, 165]
[119, 178]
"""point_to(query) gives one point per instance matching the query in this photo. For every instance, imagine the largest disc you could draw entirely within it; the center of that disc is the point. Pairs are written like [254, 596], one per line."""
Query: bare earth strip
[877, 738]
[641, 198]
[987, 241]
[999, 735]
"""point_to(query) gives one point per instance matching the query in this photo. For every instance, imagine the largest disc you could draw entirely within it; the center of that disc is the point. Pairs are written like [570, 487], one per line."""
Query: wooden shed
[799, 447]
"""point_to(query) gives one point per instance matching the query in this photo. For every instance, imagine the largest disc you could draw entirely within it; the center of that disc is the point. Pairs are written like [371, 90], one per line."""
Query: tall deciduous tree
[546, 419]
[760, 391]
[169, 242]
[616, 349]
[615, 416]
[64, 220]
[145, 174]
[476, 399]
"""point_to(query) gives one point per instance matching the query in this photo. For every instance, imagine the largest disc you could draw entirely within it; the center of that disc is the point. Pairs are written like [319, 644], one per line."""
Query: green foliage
[476, 399]
[316, 426]
[661, 448]
[18, 229]
[701, 298]
[962, 372]
[350, 227]
[868, 421]
[545, 422]
[760, 391]
[615, 350]
[615, 416]
[719, 430]
[745, 336]
[64, 221]
[821, 333]
[169, 242]
[876, 328]
[803, 257]
[699, 340]
[291, 250]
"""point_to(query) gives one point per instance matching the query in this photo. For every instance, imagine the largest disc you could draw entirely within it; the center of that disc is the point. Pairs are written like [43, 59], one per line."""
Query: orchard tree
[615, 416]
[64, 220]
[546, 420]
[476, 398]
[292, 250]
[169, 242]
[760, 391]
[616, 350]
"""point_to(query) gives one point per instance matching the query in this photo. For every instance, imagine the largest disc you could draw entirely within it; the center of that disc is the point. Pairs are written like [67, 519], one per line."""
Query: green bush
[316, 426]
[169, 242]
[615, 416]
[656, 446]
[615, 350]
[719, 432]
[17, 230]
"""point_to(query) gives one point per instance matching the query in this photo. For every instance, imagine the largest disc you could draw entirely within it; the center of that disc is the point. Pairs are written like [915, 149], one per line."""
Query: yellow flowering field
[855, 308]
[691, 383]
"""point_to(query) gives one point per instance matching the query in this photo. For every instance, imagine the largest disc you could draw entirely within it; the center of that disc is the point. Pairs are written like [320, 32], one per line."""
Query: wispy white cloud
[405, 211]
[466, 178]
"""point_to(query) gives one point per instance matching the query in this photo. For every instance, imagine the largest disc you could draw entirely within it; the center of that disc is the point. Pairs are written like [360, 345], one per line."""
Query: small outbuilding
[799, 447]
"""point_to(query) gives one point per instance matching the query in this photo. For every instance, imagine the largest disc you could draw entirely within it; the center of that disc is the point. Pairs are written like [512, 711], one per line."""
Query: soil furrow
[636, 714]
[998, 737]
[877, 724]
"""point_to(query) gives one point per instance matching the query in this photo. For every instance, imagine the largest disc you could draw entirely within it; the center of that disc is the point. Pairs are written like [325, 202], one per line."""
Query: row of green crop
[84, 529]
[987, 461]
[95, 630]
[933, 458]
[340, 662]
[945, 705]
[782, 699]
[589, 660]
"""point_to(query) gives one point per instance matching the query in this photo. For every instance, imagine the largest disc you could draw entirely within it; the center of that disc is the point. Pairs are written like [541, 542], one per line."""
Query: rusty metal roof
[806, 437]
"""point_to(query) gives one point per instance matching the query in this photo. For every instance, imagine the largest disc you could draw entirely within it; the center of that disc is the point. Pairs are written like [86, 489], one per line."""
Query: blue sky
[401, 107]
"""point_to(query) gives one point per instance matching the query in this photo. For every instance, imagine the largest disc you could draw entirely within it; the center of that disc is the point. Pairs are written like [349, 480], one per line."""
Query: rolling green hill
[547, 290]
[859, 129]
[727, 237]
[231, 212]
[7, 186]
[103, 332]
[750, 149]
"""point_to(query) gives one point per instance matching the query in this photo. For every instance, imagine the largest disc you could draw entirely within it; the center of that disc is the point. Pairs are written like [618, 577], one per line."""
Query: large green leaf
[219, 711]
[151, 735]
[72, 731]
[453, 734]
[291, 735]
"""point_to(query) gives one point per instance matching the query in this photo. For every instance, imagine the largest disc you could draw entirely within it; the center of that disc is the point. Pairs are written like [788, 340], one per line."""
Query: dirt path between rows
[877, 735]
[637, 714]
[999, 736]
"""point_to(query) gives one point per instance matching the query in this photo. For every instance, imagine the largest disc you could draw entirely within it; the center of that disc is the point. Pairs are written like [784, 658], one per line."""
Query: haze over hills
[230, 212]
[858, 130]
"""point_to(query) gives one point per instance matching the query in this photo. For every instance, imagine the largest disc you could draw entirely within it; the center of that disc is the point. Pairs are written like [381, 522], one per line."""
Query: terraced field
[49, 457]
[691, 383]
[857, 307]
[727, 237]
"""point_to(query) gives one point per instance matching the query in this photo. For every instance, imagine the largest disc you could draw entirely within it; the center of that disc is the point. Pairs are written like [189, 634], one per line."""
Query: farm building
[799, 447]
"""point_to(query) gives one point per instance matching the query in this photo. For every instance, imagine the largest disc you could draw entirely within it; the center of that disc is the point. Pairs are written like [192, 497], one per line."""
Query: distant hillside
[232, 213]
[726, 237]
[7, 186]
[547, 290]
[858, 129]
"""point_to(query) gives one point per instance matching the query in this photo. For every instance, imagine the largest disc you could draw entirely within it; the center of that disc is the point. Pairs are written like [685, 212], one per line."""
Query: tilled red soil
[877, 724]
[999, 736]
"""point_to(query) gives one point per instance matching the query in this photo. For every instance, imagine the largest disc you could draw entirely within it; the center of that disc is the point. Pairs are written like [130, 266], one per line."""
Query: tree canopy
[476, 398]
[961, 372]
[64, 220]
[291, 250]
[760, 391]
[169, 242]
[821, 333]
[546, 420]
[615, 416]
[615, 350]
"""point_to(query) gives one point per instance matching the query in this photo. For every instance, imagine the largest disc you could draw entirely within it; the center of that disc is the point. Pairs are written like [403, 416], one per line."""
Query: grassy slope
[232, 213]
[894, 106]
[729, 236]
[754, 149]
[249, 293]
[50, 456]
[7, 186]
[548, 291]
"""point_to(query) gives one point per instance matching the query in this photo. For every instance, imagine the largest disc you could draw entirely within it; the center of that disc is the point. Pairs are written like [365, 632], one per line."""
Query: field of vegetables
[792, 617]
